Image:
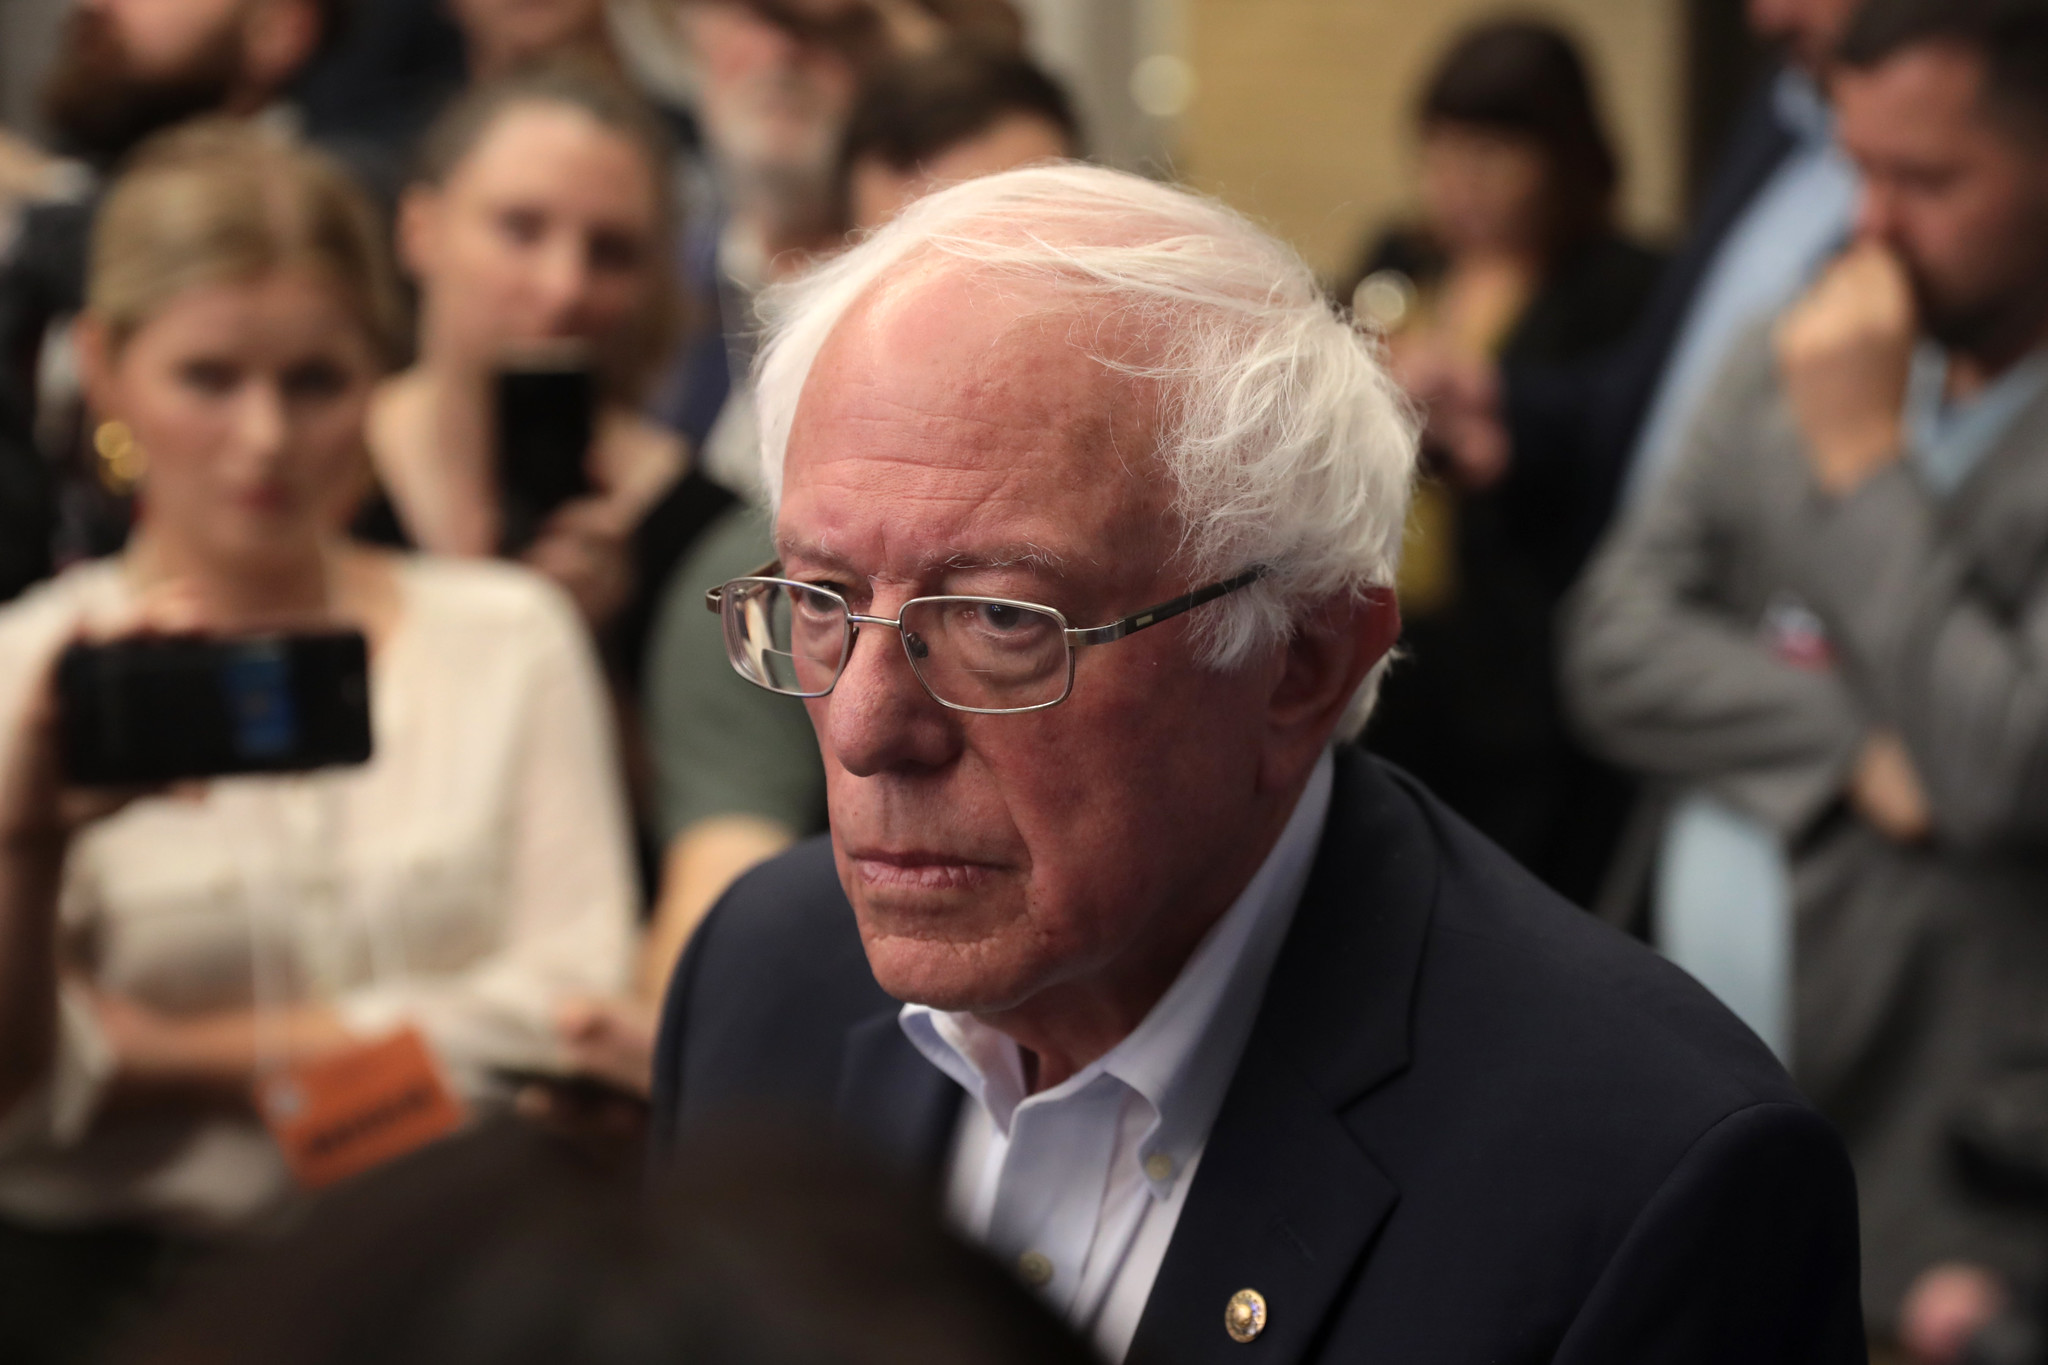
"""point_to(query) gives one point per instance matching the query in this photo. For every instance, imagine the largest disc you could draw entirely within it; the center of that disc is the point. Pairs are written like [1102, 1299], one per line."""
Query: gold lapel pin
[1244, 1317]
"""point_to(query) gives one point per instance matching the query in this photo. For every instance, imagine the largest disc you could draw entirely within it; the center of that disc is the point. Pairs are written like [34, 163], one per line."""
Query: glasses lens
[784, 636]
[987, 655]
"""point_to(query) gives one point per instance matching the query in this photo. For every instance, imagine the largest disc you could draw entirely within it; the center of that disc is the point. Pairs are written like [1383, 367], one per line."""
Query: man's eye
[1000, 616]
[816, 606]
[1010, 624]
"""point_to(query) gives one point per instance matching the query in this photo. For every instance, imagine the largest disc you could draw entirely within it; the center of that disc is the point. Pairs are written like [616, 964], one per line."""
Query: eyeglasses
[987, 655]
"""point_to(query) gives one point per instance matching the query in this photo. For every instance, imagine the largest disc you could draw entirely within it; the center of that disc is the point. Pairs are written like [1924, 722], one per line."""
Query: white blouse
[474, 873]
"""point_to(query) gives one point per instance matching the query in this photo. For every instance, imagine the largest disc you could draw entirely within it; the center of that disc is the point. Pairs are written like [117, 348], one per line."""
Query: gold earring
[122, 462]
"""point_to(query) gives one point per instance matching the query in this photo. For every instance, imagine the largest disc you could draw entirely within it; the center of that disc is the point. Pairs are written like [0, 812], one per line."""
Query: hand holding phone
[156, 709]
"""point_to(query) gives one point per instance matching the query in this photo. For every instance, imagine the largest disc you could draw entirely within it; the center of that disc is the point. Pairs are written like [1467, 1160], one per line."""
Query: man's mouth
[918, 869]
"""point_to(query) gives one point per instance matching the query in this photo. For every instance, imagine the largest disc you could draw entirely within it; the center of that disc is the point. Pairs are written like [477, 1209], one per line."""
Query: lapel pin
[1245, 1315]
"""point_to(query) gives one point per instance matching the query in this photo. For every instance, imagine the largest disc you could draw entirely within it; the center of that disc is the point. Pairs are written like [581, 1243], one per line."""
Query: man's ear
[278, 38]
[1326, 662]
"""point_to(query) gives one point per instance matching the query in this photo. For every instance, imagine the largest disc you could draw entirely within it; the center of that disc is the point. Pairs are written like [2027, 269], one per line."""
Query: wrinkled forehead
[950, 414]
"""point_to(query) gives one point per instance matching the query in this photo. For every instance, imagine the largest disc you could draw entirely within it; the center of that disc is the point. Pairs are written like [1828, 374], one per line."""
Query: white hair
[1287, 444]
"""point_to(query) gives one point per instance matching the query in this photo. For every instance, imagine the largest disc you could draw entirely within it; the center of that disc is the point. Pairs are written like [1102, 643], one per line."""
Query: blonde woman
[239, 315]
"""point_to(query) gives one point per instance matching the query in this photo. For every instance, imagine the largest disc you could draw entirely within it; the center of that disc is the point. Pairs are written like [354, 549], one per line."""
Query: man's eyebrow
[816, 557]
[1023, 554]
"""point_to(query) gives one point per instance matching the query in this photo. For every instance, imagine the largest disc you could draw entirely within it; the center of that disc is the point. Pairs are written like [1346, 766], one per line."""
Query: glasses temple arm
[1152, 616]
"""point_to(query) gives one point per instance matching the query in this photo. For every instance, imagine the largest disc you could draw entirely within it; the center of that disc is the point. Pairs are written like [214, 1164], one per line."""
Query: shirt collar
[1950, 439]
[1181, 1057]
[1801, 109]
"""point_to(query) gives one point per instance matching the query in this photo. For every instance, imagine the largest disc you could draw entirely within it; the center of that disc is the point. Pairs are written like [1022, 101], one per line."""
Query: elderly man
[1087, 505]
[1834, 617]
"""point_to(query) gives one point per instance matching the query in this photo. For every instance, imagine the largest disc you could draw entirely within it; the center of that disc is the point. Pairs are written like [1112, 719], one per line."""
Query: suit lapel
[1285, 1201]
[893, 1102]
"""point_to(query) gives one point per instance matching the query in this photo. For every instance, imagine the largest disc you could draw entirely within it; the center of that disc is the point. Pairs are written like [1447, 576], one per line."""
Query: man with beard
[1833, 615]
[125, 69]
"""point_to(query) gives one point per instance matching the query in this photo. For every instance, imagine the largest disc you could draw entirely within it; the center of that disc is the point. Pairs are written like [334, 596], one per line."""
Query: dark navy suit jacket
[1472, 1123]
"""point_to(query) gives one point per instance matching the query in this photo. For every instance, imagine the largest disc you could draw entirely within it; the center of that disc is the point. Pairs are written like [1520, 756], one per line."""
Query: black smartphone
[547, 418]
[580, 1088]
[167, 708]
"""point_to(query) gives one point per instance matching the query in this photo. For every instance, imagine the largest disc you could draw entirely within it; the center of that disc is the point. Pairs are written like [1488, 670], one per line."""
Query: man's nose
[879, 718]
[1875, 219]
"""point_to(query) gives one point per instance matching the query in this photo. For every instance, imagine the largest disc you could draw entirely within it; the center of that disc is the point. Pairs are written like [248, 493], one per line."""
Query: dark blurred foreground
[512, 1245]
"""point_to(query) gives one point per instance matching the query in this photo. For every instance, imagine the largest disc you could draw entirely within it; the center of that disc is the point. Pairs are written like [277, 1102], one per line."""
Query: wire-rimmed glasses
[988, 655]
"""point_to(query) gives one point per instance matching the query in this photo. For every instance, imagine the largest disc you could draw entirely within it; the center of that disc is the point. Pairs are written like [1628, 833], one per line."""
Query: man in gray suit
[1834, 616]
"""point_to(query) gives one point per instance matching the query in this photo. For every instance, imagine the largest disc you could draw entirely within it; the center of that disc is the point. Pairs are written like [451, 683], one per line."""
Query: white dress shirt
[472, 874]
[1079, 1187]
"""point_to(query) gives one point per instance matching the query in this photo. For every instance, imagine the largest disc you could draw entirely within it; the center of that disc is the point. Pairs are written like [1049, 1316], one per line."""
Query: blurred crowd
[280, 278]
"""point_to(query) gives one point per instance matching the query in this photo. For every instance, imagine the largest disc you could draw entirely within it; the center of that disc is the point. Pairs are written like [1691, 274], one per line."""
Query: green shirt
[723, 746]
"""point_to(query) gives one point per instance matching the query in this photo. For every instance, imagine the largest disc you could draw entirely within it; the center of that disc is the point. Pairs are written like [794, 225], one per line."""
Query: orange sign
[346, 1112]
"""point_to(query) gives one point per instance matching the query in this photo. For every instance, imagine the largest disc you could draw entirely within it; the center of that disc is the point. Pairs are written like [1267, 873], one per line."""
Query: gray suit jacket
[1921, 972]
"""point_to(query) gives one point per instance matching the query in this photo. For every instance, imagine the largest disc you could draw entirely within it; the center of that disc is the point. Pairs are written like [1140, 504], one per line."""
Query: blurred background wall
[1300, 112]
[28, 34]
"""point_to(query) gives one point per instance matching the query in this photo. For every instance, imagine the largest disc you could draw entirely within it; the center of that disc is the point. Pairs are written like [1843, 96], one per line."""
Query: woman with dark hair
[1516, 250]
[1516, 257]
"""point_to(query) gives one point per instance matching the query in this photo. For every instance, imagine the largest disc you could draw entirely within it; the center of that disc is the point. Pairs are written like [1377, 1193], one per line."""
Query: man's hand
[1461, 400]
[1845, 350]
[1885, 790]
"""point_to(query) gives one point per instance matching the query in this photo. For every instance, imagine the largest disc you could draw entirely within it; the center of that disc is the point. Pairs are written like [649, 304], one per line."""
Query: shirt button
[1036, 1268]
[1159, 1167]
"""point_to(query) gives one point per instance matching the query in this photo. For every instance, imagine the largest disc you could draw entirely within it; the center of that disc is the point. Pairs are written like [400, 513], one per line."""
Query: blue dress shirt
[1797, 221]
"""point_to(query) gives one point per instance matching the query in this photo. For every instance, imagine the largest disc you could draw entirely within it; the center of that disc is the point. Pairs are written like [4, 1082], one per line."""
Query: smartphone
[579, 1088]
[165, 709]
[547, 418]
